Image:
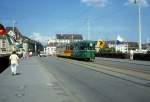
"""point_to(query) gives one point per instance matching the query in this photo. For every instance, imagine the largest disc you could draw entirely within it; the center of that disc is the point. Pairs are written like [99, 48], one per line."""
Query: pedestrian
[131, 54]
[14, 59]
[24, 54]
[30, 54]
[38, 52]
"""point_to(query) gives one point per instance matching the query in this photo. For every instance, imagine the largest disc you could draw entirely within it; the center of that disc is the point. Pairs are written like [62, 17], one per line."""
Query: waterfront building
[14, 40]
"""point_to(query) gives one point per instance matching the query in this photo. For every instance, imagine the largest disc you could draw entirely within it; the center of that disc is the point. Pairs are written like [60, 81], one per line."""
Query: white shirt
[30, 53]
[14, 59]
[131, 52]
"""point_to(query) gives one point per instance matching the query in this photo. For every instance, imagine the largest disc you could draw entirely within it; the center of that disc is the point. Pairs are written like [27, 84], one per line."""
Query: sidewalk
[32, 84]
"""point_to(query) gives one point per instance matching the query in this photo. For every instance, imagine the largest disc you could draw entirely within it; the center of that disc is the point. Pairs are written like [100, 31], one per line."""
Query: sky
[101, 19]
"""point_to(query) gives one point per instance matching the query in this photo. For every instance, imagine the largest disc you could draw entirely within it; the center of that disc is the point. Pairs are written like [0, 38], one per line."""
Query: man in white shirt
[131, 54]
[14, 59]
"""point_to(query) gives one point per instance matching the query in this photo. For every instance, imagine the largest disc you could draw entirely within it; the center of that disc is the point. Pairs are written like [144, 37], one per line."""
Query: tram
[82, 50]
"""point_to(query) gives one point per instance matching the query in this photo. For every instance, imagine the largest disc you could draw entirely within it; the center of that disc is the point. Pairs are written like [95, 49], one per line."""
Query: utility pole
[72, 37]
[35, 47]
[88, 24]
[140, 27]
[147, 41]
[13, 22]
[140, 47]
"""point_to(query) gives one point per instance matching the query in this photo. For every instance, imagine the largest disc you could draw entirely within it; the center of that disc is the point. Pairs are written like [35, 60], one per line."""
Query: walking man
[131, 54]
[14, 59]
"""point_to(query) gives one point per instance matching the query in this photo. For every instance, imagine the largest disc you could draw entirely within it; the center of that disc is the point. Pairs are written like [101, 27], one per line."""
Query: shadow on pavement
[4, 63]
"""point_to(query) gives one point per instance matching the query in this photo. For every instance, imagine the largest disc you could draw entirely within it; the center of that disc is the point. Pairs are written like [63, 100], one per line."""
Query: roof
[69, 36]
[16, 31]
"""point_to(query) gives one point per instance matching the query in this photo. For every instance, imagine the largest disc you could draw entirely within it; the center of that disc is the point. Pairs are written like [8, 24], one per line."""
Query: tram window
[71, 47]
[82, 48]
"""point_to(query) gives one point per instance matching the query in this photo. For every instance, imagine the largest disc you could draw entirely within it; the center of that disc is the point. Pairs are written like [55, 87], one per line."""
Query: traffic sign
[100, 44]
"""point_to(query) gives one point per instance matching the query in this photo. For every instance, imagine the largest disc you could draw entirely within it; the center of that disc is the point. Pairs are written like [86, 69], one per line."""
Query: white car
[42, 54]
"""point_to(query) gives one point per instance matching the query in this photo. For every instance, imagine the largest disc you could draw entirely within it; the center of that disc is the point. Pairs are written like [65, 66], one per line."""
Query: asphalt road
[87, 85]
[142, 66]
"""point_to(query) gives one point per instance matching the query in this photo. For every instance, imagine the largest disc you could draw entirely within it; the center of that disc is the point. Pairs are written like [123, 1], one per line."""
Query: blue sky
[42, 19]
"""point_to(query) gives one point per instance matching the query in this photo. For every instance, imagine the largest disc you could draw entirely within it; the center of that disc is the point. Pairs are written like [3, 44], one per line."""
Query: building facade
[15, 41]
[61, 39]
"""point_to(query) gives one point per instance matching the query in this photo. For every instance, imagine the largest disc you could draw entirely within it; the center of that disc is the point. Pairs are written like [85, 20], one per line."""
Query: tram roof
[85, 41]
[69, 36]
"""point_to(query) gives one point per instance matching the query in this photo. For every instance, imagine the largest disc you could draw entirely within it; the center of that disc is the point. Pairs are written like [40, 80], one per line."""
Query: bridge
[53, 79]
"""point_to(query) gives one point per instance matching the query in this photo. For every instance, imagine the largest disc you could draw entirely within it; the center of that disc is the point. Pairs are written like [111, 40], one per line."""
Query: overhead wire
[83, 17]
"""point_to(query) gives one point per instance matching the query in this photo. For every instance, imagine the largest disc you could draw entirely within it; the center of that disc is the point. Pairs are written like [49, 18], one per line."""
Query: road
[87, 83]
[142, 66]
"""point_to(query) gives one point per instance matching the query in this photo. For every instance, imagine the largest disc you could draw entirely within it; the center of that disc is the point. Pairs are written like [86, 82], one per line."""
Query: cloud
[143, 3]
[96, 3]
[39, 37]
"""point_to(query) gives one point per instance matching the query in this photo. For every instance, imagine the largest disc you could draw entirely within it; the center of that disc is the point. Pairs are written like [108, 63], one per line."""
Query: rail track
[141, 69]
[128, 74]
